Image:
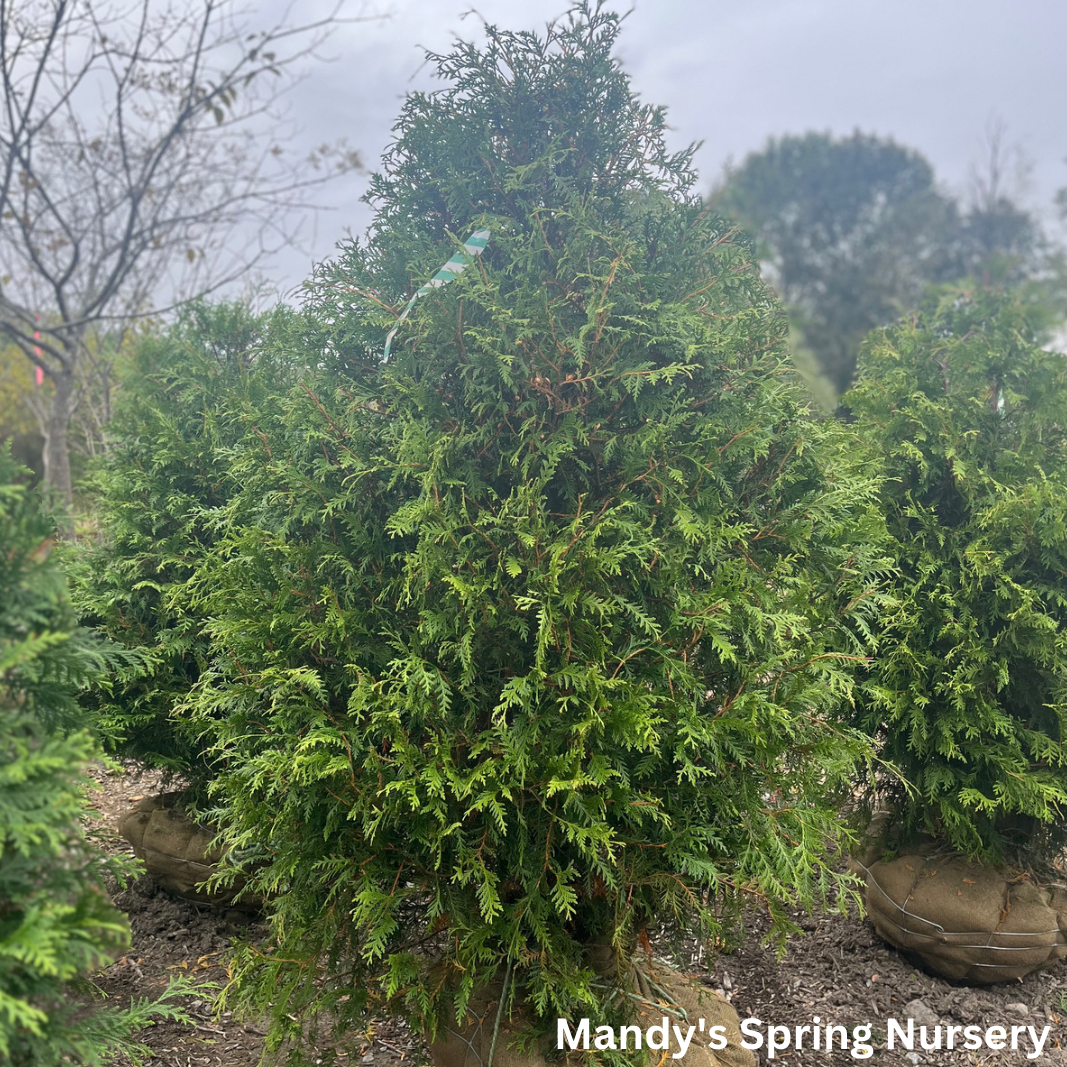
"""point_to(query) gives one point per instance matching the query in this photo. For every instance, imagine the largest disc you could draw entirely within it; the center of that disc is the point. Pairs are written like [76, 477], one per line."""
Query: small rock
[969, 1004]
[913, 1057]
[921, 1012]
[1017, 1008]
[367, 1057]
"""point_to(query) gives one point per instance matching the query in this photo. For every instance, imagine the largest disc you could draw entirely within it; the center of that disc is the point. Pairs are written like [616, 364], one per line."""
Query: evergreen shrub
[185, 400]
[532, 636]
[969, 691]
[56, 923]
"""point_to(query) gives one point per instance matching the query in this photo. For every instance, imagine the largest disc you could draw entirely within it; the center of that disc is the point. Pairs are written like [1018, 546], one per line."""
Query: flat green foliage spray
[969, 690]
[56, 923]
[189, 395]
[533, 634]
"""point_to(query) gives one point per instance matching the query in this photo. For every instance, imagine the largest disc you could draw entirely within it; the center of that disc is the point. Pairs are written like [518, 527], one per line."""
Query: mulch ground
[836, 970]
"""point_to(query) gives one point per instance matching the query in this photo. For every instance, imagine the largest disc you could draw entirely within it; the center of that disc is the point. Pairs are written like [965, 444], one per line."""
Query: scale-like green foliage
[970, 690]
[56, 924]
[184, 402]
[533, 635]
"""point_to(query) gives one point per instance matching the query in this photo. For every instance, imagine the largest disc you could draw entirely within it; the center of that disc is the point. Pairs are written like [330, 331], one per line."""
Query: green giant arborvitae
[186, 399]
[56, 923]
[969, 691]
[531, 636]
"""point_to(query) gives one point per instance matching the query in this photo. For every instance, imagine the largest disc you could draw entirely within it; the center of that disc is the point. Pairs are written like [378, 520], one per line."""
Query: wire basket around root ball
[177, 852]
[963, 920]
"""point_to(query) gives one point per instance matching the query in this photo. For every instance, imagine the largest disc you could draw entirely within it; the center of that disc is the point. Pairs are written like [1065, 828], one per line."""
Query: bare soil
[837, 970]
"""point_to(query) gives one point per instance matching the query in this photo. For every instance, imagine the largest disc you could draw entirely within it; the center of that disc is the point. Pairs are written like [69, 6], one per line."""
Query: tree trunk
[56, 447]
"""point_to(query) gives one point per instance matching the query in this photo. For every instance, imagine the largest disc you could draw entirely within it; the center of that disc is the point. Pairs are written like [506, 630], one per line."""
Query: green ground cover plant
[969, 691]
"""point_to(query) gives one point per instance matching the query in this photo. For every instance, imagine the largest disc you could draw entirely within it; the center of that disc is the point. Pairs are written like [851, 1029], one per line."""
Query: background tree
[190, 395]
[17, 424]
[854, 230]
[137, 170]
[969, 690]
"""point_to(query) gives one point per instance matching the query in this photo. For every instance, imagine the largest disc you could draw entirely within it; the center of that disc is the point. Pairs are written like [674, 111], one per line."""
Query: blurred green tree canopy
[56, 923]
[854, 230]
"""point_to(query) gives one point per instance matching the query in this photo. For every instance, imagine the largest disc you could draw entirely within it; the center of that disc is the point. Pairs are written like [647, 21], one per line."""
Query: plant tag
[473, 246]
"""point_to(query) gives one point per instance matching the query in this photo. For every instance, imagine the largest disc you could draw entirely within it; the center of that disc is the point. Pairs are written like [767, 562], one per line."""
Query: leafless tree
[1008, 243]
[140, 167]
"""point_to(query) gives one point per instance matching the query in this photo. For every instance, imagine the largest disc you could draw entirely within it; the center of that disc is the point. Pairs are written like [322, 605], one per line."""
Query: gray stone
[921, 1012]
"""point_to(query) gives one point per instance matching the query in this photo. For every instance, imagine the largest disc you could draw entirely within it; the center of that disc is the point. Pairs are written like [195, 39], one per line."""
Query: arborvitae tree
[56, 923]
[969, 690]
[185, 400]
[538, 633]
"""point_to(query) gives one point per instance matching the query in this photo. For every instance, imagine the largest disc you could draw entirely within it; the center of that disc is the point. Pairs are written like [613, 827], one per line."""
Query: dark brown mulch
[170, 937]
[838, 970]
[842, 973]
[175, 937]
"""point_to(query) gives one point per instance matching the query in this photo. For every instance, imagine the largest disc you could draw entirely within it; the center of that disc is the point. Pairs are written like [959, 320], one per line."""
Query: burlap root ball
[468, 1046]
[177, 852]
[966, 921]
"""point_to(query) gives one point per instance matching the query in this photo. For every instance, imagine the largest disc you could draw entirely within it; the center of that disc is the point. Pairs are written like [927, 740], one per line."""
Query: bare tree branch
[137, 173]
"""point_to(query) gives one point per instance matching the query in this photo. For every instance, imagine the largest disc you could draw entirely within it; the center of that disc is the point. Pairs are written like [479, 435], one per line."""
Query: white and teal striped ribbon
[473, 246]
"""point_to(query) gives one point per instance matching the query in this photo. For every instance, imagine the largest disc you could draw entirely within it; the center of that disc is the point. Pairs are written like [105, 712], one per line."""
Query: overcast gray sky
[933, 74]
